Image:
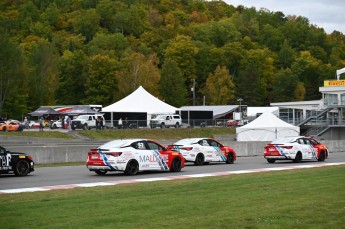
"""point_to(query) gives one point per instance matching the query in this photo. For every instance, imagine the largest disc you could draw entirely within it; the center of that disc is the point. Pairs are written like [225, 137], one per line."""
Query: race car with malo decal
[20, 164]
[204, 150]
[295, 149]
[132, 156]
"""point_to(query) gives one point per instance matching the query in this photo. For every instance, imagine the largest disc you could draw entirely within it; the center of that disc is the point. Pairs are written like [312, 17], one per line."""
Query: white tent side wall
[265, 134]
[267, 127]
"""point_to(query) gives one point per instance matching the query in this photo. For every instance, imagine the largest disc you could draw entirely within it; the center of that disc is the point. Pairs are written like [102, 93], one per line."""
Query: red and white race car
[204, 150]
[132, 156]
[296, 149]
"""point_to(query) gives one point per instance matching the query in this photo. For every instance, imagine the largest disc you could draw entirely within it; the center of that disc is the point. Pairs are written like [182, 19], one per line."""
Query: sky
[326, 14]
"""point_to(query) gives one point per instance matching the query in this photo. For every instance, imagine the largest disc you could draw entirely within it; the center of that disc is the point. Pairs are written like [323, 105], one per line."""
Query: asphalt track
[64, 177]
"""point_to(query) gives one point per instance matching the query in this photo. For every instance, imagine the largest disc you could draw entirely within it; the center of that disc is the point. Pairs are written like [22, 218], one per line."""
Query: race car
[295, 149]
[132, 156]
[12, 125]
[20, 164]
[204, 150]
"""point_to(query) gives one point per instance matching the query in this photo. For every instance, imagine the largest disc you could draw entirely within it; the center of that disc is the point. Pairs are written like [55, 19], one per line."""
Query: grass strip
[306, 198]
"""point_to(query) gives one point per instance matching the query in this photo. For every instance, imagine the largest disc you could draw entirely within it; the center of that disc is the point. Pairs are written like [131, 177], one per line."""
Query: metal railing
[191, 123]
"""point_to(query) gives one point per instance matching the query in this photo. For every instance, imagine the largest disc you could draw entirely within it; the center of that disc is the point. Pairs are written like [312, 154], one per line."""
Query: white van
[163, 121]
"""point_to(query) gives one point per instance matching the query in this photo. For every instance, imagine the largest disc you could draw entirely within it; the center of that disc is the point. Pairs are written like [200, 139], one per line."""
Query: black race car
[20, 164]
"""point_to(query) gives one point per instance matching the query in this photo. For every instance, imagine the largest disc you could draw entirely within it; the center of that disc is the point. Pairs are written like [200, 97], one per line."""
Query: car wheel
[322, 156]
[298, 158]
[176, 165]
[230, 159]
[85, 127]
[101, 172]
[4, 129]
[22, 168]
[199, 160]
[132, 167]
[163, 125]
[269, 160]
[177, 125]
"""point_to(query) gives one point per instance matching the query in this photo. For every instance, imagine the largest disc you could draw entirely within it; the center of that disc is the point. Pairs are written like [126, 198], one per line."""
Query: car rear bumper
[277, 157]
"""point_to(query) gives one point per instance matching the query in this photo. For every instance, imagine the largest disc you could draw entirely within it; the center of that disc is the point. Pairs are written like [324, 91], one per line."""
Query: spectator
[119, 125]
[97, 123]
[101, 124]
[126, 123]
[63, 122]
[41, 124]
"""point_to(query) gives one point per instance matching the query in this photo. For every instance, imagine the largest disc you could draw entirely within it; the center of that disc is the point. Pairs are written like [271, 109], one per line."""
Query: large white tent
[267, 127]
[140, 101]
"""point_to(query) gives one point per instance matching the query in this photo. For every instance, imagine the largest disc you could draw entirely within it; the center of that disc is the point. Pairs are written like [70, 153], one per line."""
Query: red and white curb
[131, 181]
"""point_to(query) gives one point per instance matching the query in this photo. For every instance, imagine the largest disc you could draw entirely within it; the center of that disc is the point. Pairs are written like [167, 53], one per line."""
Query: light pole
[240, 100]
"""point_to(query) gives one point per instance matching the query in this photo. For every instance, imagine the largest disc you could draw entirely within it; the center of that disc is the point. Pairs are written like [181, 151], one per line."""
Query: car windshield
[82, 117]
[187, 141]
[283, 140]
[117, 144]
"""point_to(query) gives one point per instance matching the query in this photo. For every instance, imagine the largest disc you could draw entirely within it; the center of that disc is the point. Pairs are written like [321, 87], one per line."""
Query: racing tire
[101, 172]
[176, 165]
[322, 156]
[132, 168]
[85, 127]
[271, 161]
[22, 168]
[199, 160]
[177, 125]
[298, 157]
[230, 159]
[162, 125]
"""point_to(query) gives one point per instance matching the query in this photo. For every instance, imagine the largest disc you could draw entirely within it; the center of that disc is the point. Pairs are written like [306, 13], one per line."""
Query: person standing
[41, 124]
[101, 123]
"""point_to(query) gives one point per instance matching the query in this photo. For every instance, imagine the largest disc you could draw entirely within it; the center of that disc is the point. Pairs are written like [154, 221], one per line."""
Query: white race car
[296, 149]
[204, 150]
[132, 156]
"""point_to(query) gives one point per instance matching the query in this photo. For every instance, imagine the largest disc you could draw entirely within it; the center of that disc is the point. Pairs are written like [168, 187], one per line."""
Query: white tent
[266, 127]
[140, 101]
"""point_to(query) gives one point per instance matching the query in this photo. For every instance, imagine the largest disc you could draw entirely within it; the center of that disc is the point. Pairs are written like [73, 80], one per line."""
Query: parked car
[12, 125]
[85, 122]
[163, 121]
[20, 164]
[295, 149]
[204, 150]
[232, 123]
[132, 156]
[56, 124]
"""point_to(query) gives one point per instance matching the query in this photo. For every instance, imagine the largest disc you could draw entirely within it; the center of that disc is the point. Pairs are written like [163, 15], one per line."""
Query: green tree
[72, 78]
[12, 78]
[172, 84]
[219, 88]
[137, 70]
[87, 23]
[43, 74]
[284, 86]
[183, 51]
[100, 85]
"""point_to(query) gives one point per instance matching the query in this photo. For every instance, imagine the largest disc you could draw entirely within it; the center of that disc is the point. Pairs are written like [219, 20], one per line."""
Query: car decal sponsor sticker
[313, 151]
[220, 153]
[280, 150]
[105, 159]
[160, 160]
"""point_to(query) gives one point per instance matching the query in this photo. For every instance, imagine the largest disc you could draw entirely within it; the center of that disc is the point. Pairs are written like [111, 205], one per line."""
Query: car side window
[203, 142]
[308, 141]
[139, 145]
[154, 146]
[213, 143]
